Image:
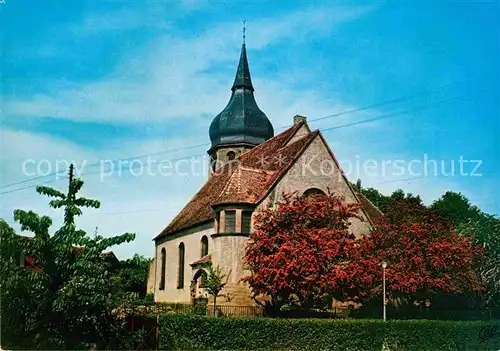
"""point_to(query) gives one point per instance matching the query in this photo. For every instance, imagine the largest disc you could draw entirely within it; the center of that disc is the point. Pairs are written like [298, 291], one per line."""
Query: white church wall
[192, 245]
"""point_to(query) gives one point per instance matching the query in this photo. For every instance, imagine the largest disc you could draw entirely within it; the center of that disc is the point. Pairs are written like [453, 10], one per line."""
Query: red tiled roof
[30, 263]
[248, 179]
[244, 181]
[374, 214]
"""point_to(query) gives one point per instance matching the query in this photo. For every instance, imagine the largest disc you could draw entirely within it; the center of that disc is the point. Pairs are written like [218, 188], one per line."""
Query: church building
[251, 168]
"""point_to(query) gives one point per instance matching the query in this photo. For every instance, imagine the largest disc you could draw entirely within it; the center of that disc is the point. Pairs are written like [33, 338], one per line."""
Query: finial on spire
[244, 30]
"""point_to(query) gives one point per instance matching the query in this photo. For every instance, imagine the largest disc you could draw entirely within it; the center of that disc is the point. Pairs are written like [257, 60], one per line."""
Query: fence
[202, 309]
[199, 309]
[235, 311]
[229, 311]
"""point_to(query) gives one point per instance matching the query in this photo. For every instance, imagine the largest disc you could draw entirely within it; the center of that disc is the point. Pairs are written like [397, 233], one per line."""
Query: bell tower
[241, 125]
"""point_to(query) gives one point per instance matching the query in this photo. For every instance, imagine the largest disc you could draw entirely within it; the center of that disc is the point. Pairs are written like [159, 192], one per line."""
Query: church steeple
[243, 79]
[241, 125]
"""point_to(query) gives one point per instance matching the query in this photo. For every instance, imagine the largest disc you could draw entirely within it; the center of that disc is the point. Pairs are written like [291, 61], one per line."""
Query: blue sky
[88, 81]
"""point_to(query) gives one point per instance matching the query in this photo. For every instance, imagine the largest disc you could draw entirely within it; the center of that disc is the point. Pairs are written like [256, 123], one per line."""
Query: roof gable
[248, 179]
[243, 181]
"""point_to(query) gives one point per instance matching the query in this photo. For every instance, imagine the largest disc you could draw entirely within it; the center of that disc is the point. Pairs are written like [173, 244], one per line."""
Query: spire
[241, 122]
[244, 30]
[242, 79]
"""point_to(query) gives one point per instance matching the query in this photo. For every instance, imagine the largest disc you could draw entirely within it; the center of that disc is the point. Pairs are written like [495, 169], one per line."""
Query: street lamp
[384, 265]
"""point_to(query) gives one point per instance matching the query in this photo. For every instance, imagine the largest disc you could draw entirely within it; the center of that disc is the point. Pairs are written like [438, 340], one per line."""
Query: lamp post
[384, 265]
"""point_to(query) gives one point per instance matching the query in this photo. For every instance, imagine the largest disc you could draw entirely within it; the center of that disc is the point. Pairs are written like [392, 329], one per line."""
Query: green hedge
[203, 333]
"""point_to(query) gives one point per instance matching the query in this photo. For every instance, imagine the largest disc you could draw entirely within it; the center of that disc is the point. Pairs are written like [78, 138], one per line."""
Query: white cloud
[122, 19]
[143, 204]
[167, 77]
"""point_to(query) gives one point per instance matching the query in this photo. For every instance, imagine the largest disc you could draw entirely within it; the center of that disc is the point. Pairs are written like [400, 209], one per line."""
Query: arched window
[231, 155]
[313, 192]
[201, 275]
[204, 246]
[163, 267]
[180, 273]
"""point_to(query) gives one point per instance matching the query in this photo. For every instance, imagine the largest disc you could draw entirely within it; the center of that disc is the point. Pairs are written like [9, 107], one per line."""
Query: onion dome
[241, 121]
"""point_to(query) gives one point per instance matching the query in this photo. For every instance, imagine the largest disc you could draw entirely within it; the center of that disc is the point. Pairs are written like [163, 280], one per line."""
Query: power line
[31, 179]
[386, 102]
[382, 103]
[408, 111]
[95, 164]
[140, 164]
[404, 98]
[390, 115]
[87, 173]
[399, 113]
[401, 180]
[31, 186]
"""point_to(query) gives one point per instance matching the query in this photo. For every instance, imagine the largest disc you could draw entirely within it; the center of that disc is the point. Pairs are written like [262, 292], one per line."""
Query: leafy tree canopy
[69, 300]
[134, 273]
[456, 207]
[423, 259]
[299, 251]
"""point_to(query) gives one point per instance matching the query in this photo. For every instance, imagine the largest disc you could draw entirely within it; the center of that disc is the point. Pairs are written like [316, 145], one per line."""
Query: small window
[163, 266]
[246, 220]
[213, 162]
[204, 246]
[180, 273]
[230, 221]
[231, 155]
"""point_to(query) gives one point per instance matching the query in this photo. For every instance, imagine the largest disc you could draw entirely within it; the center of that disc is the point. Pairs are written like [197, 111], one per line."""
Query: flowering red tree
[300, 250]
[425, 257]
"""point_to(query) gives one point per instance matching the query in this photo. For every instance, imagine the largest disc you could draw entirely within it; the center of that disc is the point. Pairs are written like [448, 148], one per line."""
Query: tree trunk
[215, 306]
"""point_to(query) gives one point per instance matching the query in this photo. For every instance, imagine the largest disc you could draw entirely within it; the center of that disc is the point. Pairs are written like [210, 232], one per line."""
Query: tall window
[231, 155]
[180, 273]
[163, 266]
[204, 246]
[246, 220]
[230, 221]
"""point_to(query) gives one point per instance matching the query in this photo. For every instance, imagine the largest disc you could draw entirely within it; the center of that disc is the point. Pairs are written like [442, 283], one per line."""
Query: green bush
[203, 333]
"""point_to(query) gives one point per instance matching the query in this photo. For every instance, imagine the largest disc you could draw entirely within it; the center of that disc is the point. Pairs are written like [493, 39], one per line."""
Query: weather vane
[244, 29]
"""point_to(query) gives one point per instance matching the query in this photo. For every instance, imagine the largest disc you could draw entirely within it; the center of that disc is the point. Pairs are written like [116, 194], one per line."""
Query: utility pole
[71, 167]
